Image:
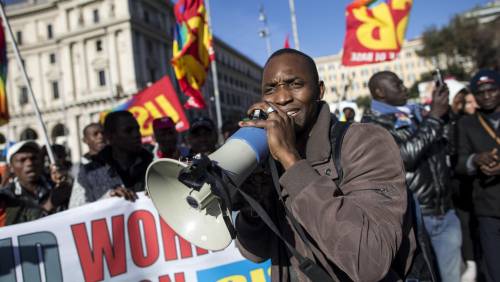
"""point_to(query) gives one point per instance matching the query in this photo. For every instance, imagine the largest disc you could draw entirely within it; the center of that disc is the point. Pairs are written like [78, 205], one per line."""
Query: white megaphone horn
[196, 214]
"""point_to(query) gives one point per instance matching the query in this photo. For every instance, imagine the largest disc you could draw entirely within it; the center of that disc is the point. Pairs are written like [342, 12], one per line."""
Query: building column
[84, 68]
[112, 69]
[67, 69]
[74, 137]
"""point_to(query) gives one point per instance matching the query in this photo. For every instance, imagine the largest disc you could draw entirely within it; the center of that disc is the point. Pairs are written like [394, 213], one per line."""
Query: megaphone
[197, 213]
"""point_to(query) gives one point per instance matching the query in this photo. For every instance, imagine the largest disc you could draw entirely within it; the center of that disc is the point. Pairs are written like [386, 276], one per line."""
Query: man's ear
[321, 90]
[379, 94]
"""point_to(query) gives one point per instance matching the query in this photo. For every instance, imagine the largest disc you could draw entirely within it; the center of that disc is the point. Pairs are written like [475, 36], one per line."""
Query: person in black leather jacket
[423, 148]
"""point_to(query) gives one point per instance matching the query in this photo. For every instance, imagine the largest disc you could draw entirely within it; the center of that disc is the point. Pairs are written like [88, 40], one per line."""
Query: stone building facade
[85, 56]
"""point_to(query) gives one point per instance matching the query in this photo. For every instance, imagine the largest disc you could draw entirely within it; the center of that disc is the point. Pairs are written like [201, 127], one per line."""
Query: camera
[438, 78]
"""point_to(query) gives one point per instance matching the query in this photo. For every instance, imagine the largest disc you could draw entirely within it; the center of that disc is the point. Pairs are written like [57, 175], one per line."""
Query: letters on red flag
[375, 34]
[158, 100]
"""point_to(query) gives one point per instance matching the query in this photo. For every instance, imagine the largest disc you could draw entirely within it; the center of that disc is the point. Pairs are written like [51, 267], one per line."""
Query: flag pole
[294, 24]
[215, 79]
[27, 83]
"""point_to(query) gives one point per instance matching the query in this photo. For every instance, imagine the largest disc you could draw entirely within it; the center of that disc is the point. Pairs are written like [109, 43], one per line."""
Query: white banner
[115, 240]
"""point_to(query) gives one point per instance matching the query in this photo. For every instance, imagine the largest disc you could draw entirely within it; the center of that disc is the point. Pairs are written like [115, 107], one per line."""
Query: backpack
[424, 265]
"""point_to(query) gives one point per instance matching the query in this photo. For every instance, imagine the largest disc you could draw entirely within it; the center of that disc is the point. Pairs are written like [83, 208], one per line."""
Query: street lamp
[264, 32]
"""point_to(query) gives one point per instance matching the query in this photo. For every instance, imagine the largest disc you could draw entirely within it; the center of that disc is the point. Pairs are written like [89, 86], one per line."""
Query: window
[50, 33]
[96, 16]
[52, 58]
[28, 134]
[19, 36]
[149, 45]
[55, 89]
[23, 95]
[152, 74]
[98, 45]
[112, 10]
[102, 77]
[146, 16]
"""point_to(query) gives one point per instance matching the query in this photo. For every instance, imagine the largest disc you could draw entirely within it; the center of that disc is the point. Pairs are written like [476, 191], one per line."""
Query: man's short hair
[88, 126]
[348, 108]
[309, 60]
[375, 80]
[202, 122]
[112, 119]
[163, 122]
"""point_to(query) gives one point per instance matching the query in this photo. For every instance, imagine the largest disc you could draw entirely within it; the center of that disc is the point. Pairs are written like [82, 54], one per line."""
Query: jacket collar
[387, 121]
[318, 146]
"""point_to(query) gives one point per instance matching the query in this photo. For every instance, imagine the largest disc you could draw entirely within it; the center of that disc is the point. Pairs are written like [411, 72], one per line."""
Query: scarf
[405, 115]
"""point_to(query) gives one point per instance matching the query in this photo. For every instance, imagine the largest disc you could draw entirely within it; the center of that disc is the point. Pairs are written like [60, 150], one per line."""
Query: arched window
[28, 134]
[59, 130]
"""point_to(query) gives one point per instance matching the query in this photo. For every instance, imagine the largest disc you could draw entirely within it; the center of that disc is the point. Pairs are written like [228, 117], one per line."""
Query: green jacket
[20, 206]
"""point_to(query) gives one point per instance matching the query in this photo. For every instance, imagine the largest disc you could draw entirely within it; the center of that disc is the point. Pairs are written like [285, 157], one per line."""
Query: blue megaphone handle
[256, 138]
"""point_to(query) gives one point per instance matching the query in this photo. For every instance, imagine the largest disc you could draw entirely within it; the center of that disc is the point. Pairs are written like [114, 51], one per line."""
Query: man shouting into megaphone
[342, 208]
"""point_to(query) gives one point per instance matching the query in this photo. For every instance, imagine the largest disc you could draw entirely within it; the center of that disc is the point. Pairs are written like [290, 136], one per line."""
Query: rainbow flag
[192, 50]
[4, 109]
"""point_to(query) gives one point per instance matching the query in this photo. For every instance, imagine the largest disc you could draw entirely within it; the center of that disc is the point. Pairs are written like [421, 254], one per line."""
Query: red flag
[287, 42]
[158, 100]
[192, 50]
[375, 34]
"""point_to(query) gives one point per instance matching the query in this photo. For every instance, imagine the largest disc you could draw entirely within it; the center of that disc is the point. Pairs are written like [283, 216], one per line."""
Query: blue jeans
[446, 238]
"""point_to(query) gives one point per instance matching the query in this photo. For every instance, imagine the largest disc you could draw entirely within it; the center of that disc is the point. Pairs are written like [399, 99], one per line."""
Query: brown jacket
[365, 233]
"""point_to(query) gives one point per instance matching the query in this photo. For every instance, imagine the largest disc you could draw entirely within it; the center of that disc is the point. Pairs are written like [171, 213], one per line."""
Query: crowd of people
[445, 154]
[450, 158]
[115, 165]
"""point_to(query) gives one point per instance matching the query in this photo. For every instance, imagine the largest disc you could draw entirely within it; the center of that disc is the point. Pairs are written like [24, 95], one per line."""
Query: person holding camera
[349, 217]
[423, 147]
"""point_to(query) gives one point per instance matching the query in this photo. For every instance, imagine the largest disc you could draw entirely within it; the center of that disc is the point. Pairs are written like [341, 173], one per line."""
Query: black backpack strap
[308, 267]
[338, 130]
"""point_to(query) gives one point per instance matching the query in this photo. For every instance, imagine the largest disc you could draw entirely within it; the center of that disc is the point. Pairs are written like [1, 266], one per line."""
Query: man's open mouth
[292, 113]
